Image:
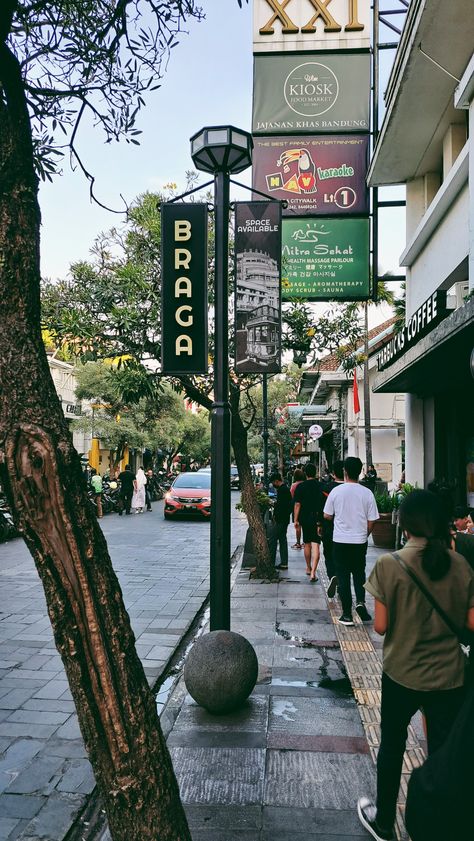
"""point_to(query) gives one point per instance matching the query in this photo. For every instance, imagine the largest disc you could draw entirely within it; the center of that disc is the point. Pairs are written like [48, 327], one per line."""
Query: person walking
[128, 483]
[353, 509]
[423, 663]
[97, 487]
[150, 488]
[138, 498]
[309, 503]
[298, 476]
[281, 518]
[336, 478]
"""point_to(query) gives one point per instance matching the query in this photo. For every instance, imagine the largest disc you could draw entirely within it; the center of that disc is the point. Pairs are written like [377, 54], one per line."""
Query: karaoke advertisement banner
[323, 175]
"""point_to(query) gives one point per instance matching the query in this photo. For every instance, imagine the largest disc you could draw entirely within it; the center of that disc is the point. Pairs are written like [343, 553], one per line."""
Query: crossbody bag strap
[433, 602]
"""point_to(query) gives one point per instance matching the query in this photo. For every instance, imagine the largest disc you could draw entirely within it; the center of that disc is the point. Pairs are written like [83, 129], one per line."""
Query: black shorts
[310, 533]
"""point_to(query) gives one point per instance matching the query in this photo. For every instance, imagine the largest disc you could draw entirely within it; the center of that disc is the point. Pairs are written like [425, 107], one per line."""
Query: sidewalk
[290, 765]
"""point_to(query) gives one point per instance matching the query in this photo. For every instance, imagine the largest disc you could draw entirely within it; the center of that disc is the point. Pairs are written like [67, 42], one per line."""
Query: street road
[163, 569]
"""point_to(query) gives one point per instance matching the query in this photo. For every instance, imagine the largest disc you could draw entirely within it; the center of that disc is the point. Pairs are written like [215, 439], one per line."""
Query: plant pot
[383, 533]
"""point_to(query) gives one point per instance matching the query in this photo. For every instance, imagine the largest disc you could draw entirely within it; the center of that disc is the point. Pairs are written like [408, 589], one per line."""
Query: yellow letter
[184, 287]
[182, 258]
[330, 25]
[184, 344]
[178, 317]
[353, 25]
[287, 24]
[182, 230]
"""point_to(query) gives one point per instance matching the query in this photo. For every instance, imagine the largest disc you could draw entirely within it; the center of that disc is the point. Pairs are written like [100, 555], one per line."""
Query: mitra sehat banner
[325, 259]
[311, 93]
[323, 175]
[257, 292]
[299, 25]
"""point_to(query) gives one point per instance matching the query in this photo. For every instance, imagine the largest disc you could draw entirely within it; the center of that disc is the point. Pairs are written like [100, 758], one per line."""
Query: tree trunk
[367, 413]
[42, 478]
[265, 568]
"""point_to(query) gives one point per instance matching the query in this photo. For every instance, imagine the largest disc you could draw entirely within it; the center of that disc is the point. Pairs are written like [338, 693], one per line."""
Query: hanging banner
[300, 25]
[315, 175]
[325, 259]
[321, 93]
[184, 303]
[257, 292]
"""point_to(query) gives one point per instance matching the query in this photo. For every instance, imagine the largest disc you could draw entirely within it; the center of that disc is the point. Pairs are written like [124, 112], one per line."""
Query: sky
[208, 82]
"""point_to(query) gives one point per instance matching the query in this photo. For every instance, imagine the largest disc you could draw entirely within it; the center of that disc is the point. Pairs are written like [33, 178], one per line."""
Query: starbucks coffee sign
[311, 93]
[295, 25]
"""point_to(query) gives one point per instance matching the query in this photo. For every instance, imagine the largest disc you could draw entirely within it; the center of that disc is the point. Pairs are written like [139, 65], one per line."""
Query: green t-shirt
[96, 483]
[420, 652]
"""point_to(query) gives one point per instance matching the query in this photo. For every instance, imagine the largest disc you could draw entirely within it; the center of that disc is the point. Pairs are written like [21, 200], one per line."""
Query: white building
[331, 405]
[65, 383]
[427, 142]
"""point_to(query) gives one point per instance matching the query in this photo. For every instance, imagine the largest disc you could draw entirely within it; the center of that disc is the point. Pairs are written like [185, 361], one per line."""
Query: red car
[190, 493]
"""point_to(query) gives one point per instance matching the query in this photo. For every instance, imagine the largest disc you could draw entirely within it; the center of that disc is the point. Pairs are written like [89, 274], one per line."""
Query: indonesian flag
[356, 394]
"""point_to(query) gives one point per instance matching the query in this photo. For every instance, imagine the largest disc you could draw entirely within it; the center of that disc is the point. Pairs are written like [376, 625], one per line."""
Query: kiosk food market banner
[315, 175]
[325, 259]
[257, 293]
[313, 92]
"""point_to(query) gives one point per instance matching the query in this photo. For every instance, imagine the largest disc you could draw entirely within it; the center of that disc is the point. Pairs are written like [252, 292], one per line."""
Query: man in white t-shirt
[354, 511]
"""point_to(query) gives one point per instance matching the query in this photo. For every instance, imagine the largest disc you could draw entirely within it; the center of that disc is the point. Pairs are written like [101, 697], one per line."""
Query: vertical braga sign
[184, 289]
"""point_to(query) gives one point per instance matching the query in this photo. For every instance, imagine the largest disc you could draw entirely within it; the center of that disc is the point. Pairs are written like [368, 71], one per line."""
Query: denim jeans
[349, 559]
[399, 705]
[278, 535]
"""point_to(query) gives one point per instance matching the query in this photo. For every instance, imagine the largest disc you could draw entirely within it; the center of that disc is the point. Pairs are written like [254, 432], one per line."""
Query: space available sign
[257, 293]
[310, 25]
[419, 324]
[325, 259]
[315, 175]
[306, 93]
[184, 289]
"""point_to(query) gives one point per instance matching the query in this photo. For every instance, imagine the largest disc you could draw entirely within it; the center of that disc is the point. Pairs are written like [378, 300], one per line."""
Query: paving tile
[212, 816]
[54, 819]
[250, 717]
[329, 822]
[36, 779]
[20, 806]
[219, 775]
[317, 780]
[321, 716]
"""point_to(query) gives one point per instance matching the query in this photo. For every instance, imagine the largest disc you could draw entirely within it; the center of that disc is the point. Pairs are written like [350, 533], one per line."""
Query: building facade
[427, 143]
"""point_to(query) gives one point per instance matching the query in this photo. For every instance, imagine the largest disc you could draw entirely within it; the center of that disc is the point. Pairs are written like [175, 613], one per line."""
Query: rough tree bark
[42, 478]
[264, 566]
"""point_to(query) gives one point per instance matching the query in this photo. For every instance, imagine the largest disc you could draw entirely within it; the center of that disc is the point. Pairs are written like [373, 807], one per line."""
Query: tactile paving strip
[364, 669]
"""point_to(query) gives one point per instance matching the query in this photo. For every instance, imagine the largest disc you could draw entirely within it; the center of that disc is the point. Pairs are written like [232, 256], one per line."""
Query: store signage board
[258, 279]
[315, 431]
[184, 305]
[325, 259]
[311, 93]
[297, 25]
[323, 175]
[426, 317]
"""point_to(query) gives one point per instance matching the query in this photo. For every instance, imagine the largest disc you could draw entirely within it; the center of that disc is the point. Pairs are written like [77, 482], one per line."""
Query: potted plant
[384, 530]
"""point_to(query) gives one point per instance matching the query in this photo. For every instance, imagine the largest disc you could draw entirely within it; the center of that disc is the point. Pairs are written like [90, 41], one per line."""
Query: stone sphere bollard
[220, 671]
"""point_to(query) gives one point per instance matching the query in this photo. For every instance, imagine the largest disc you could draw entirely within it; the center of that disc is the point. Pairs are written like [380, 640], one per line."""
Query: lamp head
[221, 149]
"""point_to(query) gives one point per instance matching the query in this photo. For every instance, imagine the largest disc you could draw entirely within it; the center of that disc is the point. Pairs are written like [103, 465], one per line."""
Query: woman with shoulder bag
[423, 662]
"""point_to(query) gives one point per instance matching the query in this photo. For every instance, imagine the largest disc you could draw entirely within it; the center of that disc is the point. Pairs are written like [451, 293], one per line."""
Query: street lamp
[221, 150]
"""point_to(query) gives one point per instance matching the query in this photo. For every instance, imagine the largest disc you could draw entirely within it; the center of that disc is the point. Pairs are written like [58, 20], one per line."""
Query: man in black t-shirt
[281, 518]
[309, 504]
[128, 483]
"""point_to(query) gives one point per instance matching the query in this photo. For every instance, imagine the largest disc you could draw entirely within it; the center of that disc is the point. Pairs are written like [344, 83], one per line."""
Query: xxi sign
[311, 24]
[184, 289]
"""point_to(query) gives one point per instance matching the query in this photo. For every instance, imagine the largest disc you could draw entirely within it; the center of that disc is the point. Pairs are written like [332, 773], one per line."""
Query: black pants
[147, 498]
[328, 547]
[126, 497]
[399, 705]
[278, 535]
[349, 559]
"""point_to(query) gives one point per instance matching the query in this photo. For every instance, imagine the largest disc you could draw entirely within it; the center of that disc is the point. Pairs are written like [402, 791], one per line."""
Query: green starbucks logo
[311, 89]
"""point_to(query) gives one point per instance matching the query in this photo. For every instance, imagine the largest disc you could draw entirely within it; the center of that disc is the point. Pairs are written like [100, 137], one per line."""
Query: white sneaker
[367, 813]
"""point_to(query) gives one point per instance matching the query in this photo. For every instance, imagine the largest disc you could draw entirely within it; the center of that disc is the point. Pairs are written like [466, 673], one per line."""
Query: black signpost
[184, 289]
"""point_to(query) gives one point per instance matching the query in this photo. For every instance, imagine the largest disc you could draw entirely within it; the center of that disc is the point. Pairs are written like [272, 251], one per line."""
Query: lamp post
[222, 151]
